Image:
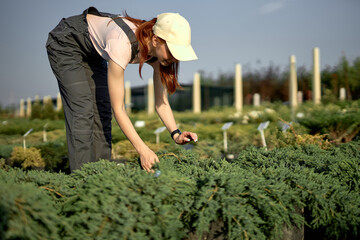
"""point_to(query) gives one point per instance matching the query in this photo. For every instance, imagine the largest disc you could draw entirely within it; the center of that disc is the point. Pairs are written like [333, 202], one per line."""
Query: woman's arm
[164, 111]
[117, 94]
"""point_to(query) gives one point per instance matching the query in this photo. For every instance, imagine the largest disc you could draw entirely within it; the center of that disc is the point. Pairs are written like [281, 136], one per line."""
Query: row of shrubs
[304, 190]
[339, 123]
[341, 116]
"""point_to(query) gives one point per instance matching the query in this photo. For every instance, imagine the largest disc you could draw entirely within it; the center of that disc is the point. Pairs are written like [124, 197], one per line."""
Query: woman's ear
[154, 41]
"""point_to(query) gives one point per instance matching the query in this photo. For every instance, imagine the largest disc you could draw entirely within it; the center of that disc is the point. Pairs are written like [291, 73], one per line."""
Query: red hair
[144, 34]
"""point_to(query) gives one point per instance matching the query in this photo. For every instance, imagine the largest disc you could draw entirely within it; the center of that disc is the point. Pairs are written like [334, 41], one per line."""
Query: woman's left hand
[186, 137]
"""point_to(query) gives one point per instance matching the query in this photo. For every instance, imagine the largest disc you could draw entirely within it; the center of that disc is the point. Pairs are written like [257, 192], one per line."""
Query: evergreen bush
[36, 111]
[26, 212]
[48, 111]
[19, 126]
[258, 195]
[27, 158]
[5, 150]
[55, 156]
[341, 125]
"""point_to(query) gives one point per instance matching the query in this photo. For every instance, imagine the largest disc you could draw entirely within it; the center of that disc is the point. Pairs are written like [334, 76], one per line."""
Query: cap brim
[182, 53]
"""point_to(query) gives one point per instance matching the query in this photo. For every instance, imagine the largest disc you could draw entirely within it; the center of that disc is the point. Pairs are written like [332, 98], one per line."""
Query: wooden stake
[197, 94]
[151, 97]
[238, 89]
[316, 77]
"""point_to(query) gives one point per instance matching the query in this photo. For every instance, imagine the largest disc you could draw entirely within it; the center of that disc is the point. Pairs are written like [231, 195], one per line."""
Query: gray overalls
[82, 78]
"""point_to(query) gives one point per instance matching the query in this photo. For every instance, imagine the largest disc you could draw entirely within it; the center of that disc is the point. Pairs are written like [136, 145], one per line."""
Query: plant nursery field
[304, 185]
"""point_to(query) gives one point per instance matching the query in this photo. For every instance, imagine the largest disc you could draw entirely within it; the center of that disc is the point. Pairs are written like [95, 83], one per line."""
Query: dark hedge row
[253, 197]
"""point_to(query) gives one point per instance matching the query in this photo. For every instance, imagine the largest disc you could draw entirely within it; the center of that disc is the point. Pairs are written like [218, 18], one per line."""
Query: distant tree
[283, 86]
[269, 79]
[9, 110]
[226, 79]
[48, 110]
[304, 80]
[206, 79]
[354, 78]
[60, 114]
[273, 84]
[3, 110]
[345, 75]
[36, 111]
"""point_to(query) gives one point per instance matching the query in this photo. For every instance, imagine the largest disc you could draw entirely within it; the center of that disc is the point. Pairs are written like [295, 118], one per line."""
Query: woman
[88, 54]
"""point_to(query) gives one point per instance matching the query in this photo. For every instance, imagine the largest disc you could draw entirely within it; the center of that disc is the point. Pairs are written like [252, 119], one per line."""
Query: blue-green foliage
[252, 197]
[27, 212]
[341, 123]
[55, 156]
[19, 126]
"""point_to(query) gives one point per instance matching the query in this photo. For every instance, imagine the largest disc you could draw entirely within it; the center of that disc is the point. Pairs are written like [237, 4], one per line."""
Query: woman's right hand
[148, 159]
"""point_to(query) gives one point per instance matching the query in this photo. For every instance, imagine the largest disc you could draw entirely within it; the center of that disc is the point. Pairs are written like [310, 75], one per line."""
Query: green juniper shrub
[55, 156]
[36, 111]
[48, 111]
[19, 126]
[255, 196]
[129, 203]
[27, 212]
[341, 125]
[5, 150]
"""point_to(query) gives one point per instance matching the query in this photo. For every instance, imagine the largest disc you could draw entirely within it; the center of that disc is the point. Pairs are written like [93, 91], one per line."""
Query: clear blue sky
[253, 33]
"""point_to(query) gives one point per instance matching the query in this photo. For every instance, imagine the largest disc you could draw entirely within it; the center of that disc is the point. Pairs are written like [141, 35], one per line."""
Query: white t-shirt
[109, 40]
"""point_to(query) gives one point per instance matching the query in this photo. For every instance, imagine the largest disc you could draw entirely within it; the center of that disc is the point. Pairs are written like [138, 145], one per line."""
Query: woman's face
[162, 52]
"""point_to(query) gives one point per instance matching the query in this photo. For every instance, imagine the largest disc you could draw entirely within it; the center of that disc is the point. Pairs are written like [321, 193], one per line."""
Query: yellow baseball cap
[175, 30]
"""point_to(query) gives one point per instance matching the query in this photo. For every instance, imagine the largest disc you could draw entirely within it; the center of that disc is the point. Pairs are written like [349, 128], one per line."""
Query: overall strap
[120, 22]
[130, 34]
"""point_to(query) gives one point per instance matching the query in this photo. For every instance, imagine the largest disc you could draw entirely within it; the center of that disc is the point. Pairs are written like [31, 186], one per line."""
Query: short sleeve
[119, 50]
